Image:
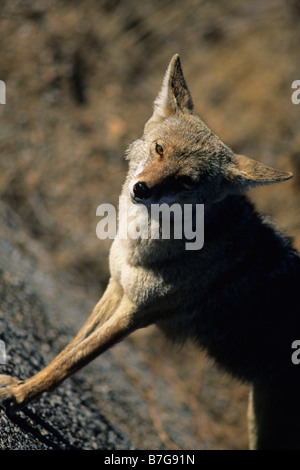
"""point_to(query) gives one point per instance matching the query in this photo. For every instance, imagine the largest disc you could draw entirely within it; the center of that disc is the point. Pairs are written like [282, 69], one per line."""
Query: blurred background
[80, 80]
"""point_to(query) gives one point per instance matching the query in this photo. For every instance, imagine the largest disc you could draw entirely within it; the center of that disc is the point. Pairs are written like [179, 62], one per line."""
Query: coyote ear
[246, 173]
[174, 96]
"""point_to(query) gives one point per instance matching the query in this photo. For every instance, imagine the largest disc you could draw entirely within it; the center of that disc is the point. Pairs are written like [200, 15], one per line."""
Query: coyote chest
[126, 265]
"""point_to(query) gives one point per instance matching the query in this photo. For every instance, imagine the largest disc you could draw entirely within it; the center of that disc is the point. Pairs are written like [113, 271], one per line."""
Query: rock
[66, 418]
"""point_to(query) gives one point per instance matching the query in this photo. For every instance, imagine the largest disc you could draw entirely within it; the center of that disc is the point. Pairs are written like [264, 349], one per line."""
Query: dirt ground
[80, 80]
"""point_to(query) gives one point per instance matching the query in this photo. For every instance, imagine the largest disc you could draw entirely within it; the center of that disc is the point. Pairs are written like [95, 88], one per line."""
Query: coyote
[236, 297]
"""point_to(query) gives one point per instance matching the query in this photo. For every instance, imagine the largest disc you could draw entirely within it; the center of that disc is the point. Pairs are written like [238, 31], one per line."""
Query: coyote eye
[159, 150]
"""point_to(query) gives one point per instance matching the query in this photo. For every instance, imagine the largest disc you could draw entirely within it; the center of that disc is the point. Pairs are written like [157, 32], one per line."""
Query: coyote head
[179, 159]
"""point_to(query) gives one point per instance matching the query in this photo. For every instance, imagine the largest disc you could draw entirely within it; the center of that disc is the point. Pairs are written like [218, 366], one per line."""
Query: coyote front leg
[111, 320]
[103, 310]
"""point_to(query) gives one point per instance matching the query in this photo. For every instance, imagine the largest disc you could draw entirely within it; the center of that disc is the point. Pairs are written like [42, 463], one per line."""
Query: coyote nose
[141, 190]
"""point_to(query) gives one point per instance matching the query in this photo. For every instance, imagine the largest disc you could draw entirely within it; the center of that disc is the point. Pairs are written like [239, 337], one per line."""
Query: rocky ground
[80, 80]
[30, 324]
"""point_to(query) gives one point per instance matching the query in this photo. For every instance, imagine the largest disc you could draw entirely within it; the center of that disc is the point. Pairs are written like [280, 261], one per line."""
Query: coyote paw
[8, 389]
